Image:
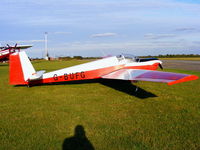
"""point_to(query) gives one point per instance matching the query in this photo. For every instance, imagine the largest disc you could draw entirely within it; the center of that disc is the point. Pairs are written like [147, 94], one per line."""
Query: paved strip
[182, 64]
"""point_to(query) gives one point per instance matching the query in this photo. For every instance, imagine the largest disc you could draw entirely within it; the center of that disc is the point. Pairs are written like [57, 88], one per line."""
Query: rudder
[20, 68]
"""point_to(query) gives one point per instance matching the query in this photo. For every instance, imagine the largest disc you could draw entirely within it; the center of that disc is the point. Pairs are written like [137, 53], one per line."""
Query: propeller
[9, 47]
[161, 67]
[12, 48]
[15, 47]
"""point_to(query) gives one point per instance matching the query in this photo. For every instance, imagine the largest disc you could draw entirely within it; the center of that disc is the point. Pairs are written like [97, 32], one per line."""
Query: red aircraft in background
[7, 50]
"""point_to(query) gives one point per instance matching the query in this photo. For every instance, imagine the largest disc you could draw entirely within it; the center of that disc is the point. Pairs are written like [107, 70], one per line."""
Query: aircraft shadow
[78, 141]
[119, 85]
[128, 88]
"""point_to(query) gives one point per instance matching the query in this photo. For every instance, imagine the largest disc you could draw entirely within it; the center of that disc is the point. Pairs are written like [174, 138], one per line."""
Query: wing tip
[185, 79]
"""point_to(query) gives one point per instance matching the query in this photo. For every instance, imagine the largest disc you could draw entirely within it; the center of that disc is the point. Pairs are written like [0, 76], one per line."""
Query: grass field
[109, 113]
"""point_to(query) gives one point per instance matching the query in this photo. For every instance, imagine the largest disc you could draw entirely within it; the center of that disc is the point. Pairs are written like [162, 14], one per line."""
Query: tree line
[149, 56]
[172, 56]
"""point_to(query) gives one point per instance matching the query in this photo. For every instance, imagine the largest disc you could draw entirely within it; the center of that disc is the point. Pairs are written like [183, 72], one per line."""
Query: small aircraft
[5, 51]
[121, 67]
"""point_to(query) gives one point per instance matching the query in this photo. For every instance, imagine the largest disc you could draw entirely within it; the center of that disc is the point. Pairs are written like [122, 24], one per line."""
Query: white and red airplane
[116, 67]
[6, 51]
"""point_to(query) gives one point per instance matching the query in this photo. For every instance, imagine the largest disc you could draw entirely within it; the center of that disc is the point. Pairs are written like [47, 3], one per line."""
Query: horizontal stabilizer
[36, 76]
[148, 75]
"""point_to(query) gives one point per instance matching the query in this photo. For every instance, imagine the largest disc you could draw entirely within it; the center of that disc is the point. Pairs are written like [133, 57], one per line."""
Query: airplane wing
[149, 75]
[23, 46]
[18, 46]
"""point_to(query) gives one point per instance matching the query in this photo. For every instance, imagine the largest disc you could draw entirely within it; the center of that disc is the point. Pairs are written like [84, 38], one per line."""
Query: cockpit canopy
[131, 58]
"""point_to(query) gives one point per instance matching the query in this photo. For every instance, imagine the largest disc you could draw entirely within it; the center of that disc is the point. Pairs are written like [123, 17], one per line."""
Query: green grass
[113, 116]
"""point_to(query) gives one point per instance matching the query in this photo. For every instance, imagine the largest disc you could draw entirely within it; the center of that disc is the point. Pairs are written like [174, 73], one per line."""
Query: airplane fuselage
[116, 67]
[4, 55]
[95, 69]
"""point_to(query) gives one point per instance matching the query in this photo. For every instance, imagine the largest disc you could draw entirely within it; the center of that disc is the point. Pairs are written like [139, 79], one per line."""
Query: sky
[102, 27]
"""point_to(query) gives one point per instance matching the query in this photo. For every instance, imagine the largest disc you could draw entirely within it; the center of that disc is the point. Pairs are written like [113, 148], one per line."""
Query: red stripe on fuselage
[83, 75]
[92, 74]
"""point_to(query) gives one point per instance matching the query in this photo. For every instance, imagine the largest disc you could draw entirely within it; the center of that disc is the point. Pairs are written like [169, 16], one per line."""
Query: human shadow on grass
[78, 141]
[119, 85]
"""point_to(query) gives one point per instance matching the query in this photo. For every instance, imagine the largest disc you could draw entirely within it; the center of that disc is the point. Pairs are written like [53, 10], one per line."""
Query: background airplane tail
[20, 68]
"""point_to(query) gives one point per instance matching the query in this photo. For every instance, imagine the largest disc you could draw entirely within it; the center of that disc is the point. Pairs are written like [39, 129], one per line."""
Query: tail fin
[20, 68]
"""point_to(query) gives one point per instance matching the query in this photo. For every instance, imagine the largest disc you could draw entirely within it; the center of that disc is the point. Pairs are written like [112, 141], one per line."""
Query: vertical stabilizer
[20, 68]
